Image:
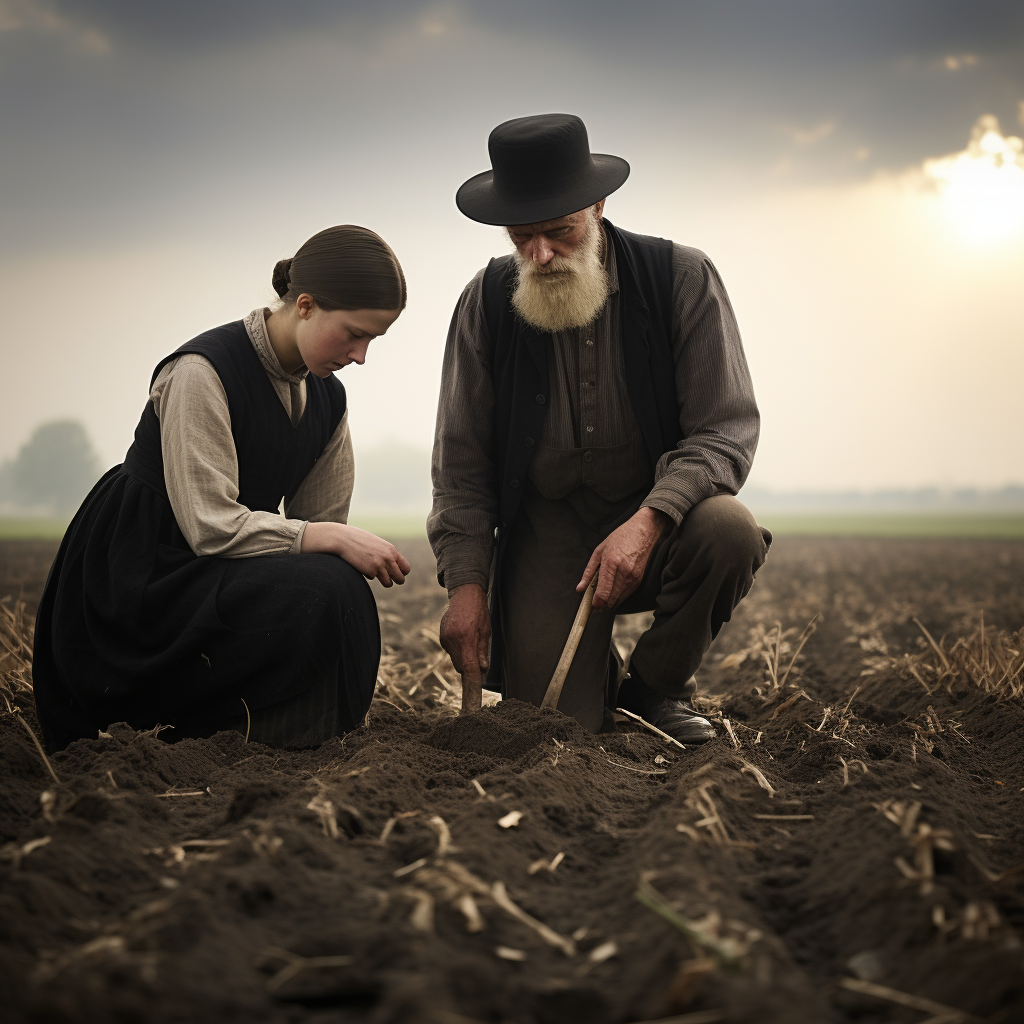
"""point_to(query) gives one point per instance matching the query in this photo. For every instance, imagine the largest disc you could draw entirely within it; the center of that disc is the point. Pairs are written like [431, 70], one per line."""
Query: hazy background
[157, 159]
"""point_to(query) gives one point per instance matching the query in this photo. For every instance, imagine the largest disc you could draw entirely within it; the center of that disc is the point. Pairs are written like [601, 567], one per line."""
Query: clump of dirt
[853, 838]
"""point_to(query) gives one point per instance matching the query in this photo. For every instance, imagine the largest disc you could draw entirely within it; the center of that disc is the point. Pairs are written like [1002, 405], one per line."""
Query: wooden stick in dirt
[472, 691]
[554, 690]
[940, 1010]
[647, 725]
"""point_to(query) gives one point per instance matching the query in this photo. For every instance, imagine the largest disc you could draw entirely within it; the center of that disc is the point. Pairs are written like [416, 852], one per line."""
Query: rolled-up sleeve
[718, 415]
[464, 515]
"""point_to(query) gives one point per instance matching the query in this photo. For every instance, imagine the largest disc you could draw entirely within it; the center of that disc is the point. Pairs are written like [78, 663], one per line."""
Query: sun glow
[983, 185]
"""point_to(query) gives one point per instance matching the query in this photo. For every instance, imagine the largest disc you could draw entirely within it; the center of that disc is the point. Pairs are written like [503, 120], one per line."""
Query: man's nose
[542, 252]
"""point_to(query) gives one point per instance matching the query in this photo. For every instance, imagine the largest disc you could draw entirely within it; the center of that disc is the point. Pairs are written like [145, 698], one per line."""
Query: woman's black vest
[520, 359]
[274, 457]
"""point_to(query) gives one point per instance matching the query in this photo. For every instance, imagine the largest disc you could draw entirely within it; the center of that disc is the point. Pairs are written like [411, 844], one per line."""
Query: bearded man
[596, 417]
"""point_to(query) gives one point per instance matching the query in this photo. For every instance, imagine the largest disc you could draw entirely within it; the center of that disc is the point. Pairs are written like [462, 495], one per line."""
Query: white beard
[569, 292]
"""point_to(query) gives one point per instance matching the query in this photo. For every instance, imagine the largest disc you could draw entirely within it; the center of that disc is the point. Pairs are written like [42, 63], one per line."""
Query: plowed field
[850, 848]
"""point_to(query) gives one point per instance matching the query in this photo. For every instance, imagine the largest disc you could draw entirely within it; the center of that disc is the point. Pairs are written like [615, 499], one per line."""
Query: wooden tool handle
[554, 690]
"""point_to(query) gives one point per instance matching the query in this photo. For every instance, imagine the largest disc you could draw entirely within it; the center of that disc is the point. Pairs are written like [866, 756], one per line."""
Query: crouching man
[596, 417]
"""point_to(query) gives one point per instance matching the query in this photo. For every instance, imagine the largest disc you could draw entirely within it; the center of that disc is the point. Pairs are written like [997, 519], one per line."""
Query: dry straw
[16, 635]
[988, 660]
[17, 631]
[711, 933]
[770, 647]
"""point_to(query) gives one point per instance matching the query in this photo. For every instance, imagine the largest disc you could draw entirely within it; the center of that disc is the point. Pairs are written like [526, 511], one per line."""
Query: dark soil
[164, 882]
[23, 568]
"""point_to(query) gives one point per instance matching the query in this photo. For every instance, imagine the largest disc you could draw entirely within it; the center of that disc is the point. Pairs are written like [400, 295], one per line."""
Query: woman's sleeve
[326, 493]
[201, 467]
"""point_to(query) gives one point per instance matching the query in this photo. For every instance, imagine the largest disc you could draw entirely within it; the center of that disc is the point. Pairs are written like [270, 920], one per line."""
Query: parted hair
[344, 267]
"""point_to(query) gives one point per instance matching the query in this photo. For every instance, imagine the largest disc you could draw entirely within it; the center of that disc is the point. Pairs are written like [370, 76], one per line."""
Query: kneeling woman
[181, 595]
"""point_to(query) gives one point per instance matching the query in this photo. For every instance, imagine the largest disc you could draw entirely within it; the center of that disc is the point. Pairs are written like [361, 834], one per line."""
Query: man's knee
[724, 529]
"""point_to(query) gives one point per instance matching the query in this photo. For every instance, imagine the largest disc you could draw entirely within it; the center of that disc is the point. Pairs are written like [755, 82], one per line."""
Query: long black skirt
[134, 627]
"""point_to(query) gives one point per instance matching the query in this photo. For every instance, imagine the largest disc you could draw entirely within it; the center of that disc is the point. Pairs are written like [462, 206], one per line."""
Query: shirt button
[528, 442]
[589, 483]
[588, 456]
[514, 483]
[541, 399]
[590, 342]
[590, 430]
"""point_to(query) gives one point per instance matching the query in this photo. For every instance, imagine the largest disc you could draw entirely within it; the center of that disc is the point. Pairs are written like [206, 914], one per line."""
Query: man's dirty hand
[466, 636]
[621, 558]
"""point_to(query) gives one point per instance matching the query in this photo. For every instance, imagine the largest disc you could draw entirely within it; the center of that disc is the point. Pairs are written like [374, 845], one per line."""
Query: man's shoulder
[686, 258]
[497, 269]
[472, 294]
[653, 241]
[468, 320]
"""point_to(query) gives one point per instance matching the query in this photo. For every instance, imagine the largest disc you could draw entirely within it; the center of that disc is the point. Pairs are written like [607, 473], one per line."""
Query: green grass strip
[32, 529]
[392, 527]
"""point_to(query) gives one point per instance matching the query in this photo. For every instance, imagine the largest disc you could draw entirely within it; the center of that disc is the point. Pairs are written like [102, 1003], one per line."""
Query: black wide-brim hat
[541, 169]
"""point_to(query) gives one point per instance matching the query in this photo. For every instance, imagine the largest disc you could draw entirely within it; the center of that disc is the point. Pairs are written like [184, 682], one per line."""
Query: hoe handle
[554, 690]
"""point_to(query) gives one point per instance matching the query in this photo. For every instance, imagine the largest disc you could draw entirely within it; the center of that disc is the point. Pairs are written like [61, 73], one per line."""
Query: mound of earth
[850, 848]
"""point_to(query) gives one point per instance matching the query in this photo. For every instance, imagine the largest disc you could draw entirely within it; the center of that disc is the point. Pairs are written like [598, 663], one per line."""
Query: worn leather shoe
[675, 717]
[680, 721]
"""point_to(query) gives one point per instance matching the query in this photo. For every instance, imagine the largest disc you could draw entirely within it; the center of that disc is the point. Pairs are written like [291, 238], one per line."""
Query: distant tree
[55, 467]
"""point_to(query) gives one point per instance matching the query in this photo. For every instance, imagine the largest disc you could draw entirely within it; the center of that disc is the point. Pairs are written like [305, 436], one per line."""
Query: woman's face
[330, 339]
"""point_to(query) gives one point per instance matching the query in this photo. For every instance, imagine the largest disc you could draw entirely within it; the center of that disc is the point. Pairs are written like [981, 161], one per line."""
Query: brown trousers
[696, 576]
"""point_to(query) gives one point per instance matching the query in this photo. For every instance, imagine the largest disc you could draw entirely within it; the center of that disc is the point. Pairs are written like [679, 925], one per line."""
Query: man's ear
[599, 209]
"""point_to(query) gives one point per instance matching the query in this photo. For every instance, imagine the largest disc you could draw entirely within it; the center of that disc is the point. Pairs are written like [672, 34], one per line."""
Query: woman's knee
[331, 583]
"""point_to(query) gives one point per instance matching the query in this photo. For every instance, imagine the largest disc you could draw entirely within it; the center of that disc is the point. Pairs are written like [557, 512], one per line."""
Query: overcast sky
[157, 159]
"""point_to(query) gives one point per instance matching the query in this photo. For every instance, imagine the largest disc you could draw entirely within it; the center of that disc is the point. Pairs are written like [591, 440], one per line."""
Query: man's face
[540, 243]
[561, 282]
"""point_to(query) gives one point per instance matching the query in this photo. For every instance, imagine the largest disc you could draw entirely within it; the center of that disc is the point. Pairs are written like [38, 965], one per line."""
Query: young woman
[181, 595]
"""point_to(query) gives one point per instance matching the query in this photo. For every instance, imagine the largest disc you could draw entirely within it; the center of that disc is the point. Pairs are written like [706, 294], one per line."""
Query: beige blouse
[201, 467]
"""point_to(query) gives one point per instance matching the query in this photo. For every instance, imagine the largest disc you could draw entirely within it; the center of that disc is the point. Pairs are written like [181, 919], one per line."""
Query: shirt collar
[256, 328]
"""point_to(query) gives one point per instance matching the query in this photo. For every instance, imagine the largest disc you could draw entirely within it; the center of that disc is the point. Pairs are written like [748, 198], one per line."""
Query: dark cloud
[190, 102]
[825, 27]
[203, 24]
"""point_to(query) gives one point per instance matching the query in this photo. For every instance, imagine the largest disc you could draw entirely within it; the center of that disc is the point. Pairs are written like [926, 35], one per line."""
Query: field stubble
[851, 847]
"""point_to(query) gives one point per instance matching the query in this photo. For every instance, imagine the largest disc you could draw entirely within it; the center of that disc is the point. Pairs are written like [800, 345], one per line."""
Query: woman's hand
[374, 557]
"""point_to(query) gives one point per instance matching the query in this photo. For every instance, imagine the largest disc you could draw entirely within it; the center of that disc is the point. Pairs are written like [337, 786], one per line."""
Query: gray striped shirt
[590, 408]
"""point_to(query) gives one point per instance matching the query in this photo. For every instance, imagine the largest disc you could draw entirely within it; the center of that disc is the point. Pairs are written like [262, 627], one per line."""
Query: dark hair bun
[343, 267]
[282, 277]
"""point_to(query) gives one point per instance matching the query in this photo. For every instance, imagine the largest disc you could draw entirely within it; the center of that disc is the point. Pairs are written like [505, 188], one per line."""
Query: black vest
[273, 456]
[520, 359]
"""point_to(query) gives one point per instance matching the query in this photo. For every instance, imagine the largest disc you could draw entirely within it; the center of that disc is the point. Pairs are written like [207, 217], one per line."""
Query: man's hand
[466, 636]
[374, 557]
[621, 558]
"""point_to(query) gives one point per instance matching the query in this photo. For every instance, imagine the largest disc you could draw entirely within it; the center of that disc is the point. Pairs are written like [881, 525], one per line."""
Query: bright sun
[983, 185]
